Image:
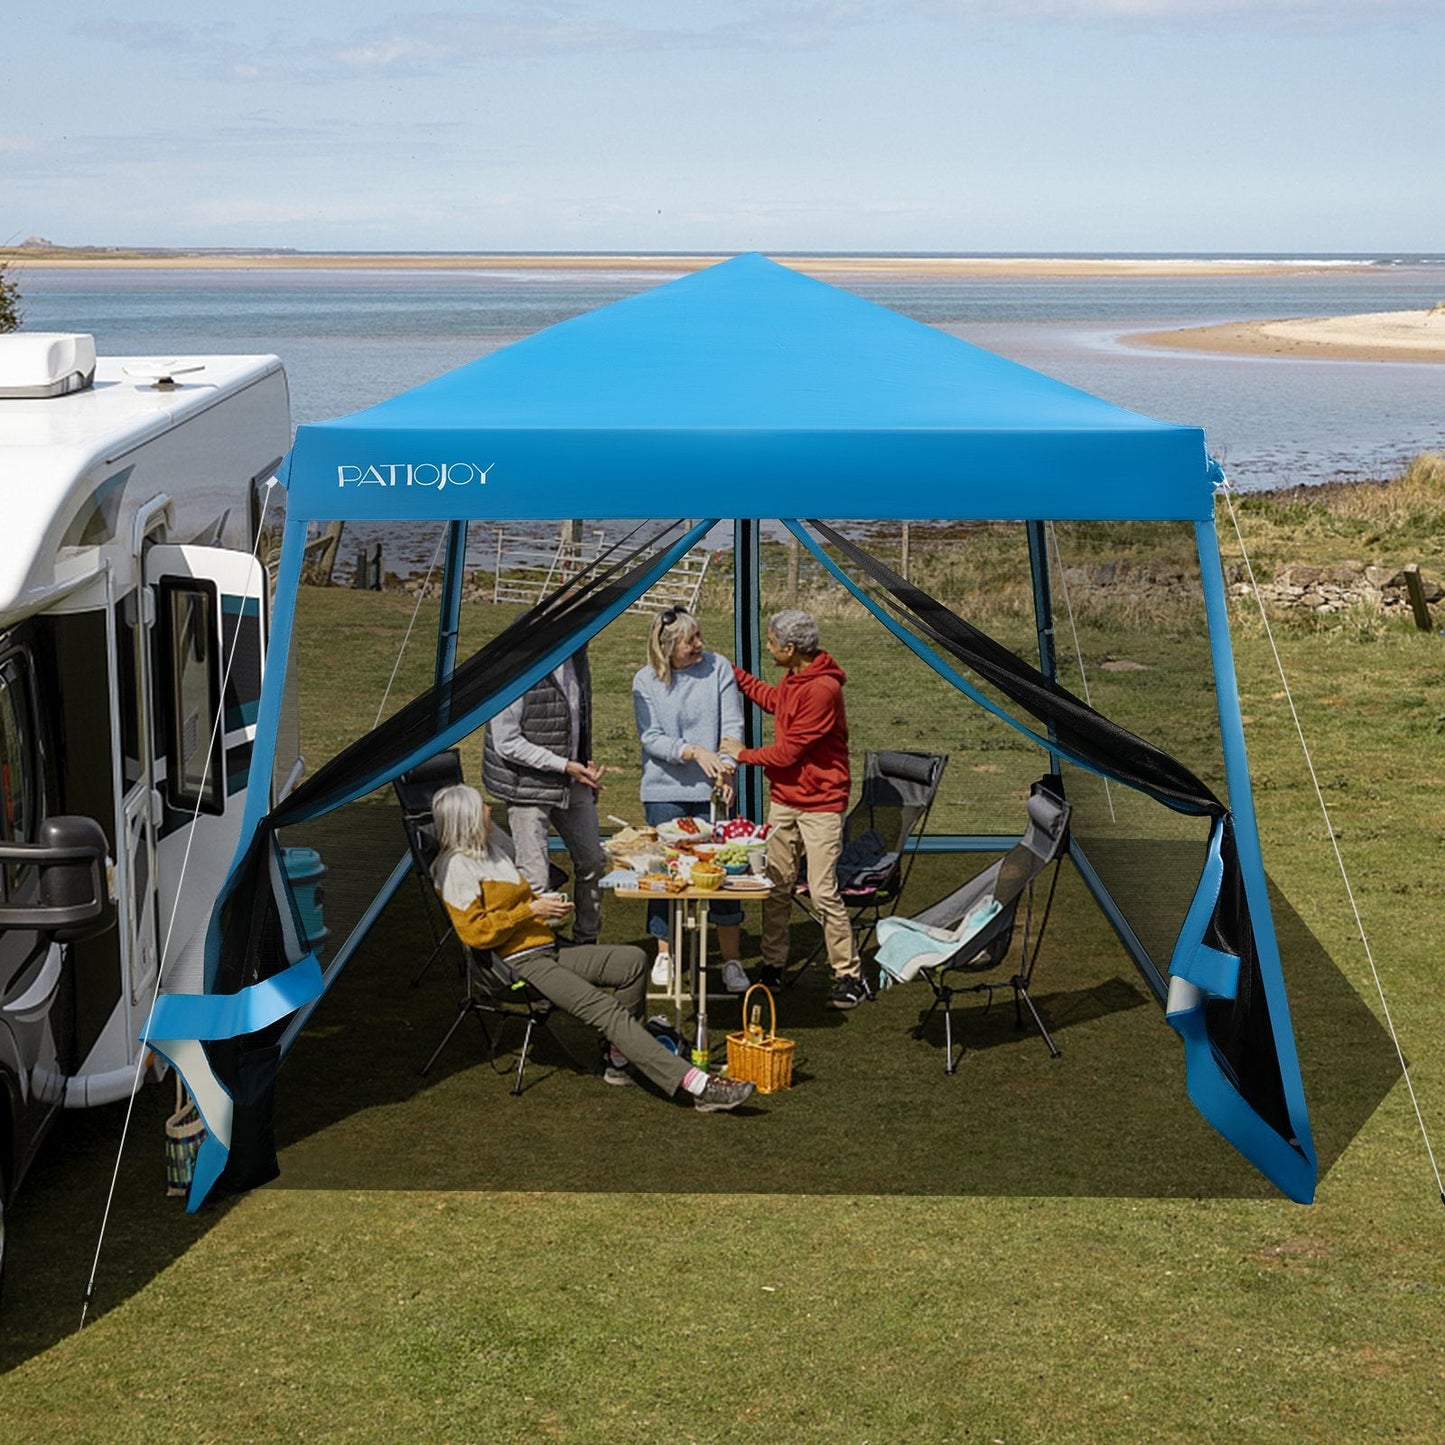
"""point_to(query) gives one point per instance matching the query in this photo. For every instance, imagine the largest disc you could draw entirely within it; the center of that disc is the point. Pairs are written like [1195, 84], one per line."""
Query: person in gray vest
[537, 760]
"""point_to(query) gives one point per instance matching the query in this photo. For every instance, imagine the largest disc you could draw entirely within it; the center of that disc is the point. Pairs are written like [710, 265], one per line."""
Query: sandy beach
[37, 258]
[1381, 336]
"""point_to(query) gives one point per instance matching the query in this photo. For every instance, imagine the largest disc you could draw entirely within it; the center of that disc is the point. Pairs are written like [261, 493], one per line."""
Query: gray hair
[458, 820]
[795, 628]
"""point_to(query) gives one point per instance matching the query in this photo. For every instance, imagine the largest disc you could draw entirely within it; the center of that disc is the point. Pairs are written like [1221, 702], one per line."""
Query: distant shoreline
[1382, 336]
[38, 258]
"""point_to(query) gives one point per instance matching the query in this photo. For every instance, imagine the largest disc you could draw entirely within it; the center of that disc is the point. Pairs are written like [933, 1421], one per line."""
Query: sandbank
[1377, 336]
[37, 258]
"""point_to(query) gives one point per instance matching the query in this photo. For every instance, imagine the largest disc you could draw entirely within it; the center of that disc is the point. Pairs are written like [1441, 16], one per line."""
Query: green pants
[574, 979]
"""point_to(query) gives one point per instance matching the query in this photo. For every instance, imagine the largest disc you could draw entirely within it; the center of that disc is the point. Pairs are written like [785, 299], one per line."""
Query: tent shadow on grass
[872, 1112]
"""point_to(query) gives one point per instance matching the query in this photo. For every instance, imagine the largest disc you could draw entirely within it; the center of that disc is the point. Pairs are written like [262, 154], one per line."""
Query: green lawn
[1033, 1249]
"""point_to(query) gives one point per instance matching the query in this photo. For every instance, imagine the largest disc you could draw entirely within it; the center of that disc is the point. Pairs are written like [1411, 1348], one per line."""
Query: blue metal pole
[748, 650]
[1044, 615]
[449, 621]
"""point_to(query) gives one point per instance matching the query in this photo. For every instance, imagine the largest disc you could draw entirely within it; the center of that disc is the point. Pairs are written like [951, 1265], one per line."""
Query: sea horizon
[40, 252]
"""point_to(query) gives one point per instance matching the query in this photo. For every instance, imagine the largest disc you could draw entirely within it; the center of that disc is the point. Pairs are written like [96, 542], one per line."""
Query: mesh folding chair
[880, 839]
[414, 791]
[492, 989]
[966, 935]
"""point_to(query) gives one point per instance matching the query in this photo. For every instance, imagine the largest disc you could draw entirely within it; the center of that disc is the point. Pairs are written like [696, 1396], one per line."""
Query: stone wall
[1334, 588]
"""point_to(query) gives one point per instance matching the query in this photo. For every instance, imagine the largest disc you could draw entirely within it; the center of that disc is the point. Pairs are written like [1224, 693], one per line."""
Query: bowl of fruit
[733, 857]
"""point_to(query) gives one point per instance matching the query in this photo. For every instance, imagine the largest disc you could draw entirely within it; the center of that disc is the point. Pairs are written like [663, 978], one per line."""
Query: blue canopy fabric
[730, 390]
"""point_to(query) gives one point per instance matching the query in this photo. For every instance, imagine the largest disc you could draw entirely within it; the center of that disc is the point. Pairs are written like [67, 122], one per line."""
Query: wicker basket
[763, 1058]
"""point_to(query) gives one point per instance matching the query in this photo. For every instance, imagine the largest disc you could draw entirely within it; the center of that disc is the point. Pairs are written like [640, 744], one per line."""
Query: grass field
[1034, 1249]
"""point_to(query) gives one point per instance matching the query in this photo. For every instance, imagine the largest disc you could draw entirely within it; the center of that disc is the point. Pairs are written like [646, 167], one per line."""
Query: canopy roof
[754, 391]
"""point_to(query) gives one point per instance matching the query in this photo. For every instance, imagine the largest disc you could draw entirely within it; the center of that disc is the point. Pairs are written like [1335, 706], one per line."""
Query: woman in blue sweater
[686, 701]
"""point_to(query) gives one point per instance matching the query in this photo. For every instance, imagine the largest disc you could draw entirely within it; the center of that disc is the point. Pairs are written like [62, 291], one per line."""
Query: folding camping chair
[968, 933]
[492, 988]
[414, 791]
[880, 840]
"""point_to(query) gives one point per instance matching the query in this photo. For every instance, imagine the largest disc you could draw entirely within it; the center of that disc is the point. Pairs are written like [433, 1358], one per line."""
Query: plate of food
[684, 830]
[661, 883]
[746, 883]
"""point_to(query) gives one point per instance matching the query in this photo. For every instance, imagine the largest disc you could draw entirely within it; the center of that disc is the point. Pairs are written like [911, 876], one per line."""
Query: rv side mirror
[72, 857]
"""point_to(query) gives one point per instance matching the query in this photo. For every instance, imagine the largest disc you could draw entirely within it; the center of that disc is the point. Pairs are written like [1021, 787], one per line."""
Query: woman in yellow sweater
[493, 907]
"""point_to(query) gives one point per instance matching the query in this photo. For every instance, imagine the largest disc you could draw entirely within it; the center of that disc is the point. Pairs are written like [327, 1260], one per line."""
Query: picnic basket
[185, 1133]
[760, 1057]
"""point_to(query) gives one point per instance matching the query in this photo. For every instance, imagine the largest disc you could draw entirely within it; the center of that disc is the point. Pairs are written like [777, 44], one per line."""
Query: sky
[1052, 126]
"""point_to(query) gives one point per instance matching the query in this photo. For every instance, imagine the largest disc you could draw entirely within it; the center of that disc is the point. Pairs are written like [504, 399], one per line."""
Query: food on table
[707, 876]
[629, 840]
[661, 883]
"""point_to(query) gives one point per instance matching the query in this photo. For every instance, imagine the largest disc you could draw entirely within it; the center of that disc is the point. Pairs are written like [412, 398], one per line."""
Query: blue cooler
[305, 870]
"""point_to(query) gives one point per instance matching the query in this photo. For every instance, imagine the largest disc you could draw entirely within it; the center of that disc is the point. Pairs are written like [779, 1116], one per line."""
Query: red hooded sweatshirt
[807, 764]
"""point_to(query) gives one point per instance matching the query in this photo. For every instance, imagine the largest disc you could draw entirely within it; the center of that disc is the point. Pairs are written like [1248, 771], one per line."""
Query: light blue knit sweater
[702, 707]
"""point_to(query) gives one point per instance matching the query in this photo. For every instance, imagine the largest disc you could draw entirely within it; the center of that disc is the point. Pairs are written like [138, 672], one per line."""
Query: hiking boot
[849, 990]
[734, 977]
[720, 1094]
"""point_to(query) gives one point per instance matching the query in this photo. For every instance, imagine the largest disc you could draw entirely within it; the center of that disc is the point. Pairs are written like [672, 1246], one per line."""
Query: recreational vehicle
[132, 637]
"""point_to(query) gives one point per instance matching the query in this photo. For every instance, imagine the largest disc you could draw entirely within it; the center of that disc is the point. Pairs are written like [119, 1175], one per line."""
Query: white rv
[131, 490]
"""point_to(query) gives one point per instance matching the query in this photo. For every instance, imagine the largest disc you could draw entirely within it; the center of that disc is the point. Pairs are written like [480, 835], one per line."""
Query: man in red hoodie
[808, 778]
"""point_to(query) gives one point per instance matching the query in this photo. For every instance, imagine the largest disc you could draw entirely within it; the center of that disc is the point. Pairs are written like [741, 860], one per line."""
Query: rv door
[208, 652]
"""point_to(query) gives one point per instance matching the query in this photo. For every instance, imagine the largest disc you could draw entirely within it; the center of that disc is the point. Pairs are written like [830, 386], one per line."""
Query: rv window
[194, 769]
[17, 762]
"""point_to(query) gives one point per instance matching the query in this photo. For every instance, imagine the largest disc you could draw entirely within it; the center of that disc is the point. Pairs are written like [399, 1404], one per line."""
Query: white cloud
[405, 45]
[1248, 14]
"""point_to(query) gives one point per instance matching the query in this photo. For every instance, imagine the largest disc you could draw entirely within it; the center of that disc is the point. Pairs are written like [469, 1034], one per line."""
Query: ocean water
[350, 338]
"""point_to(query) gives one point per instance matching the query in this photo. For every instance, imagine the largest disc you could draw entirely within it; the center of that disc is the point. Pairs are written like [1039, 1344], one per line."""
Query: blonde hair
[663, 637]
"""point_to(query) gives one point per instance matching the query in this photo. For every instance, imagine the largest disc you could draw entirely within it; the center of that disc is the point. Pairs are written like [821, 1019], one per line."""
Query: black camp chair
[491, 988]
[414, 791]
[880, 840]
[982, 951]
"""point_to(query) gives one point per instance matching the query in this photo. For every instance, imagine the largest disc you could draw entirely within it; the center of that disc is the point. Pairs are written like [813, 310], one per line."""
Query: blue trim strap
[1209, 970]
[180, 1022]
[1198, 973]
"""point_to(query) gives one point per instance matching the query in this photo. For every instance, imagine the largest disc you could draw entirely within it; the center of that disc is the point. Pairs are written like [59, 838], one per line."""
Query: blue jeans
[725, 912]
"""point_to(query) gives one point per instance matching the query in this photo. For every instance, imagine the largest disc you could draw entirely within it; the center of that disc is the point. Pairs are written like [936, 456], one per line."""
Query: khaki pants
[819, 836]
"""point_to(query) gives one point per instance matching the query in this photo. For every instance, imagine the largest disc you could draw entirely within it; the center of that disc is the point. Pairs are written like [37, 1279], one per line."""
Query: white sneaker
[734, 977]
[662, 970]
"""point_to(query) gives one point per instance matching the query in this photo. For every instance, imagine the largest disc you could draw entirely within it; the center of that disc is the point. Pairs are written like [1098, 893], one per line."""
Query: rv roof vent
[160, 372]
[45, 363]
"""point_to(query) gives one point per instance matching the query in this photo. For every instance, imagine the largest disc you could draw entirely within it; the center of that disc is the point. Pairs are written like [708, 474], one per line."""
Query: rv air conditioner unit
[46, 363]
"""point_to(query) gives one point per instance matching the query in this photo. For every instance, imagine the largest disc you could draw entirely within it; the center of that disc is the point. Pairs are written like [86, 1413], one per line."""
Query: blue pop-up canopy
[749, 391]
